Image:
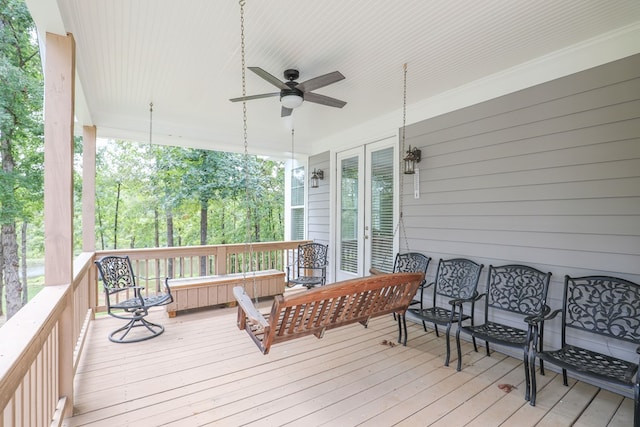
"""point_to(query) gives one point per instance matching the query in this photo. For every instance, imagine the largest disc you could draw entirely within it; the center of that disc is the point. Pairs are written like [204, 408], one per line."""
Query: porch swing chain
[400, 224]
[248, 246]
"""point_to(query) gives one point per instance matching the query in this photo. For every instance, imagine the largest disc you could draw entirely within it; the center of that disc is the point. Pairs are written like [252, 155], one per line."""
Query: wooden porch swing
[327, 307]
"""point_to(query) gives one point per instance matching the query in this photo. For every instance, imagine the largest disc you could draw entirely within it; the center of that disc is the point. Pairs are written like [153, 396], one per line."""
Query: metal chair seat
[605, 367]
[498, 333]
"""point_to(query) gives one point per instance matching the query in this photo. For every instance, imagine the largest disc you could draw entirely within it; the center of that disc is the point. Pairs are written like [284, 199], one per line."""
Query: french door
[366, 208]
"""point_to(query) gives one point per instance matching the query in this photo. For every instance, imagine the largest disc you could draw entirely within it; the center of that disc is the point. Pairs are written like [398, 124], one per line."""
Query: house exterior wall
[318, 200]
[548, 176]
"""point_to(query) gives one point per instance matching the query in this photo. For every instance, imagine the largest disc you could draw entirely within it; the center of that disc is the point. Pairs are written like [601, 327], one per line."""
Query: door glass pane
[382, 224]
[349, 215]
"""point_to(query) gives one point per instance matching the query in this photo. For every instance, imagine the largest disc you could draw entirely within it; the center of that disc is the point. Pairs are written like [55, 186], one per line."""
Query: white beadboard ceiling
[184, 56]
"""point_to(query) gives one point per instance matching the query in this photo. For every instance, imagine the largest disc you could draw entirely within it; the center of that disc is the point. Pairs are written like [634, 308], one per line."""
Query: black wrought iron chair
[517, 290]
[411, 262]
[456, 279]
[125, 300]
[310, 266]
[598, 313]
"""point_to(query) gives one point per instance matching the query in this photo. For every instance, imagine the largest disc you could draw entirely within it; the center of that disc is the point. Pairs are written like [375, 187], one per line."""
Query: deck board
[204, 371]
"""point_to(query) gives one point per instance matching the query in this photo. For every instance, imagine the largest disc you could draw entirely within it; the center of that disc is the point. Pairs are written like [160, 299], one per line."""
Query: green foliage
[21, 89]
[179, 182]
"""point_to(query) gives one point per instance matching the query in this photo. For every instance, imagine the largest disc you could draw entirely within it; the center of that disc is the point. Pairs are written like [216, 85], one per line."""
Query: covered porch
[204, 371]
[60, 369]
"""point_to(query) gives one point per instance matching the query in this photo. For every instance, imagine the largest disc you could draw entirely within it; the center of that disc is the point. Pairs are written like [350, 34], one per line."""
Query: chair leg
[136, 322]
[527, 379]
[448, 356]
[486, 344]
[435, 327]
[564, 377]
[399, 326]
[636, 398]
[532, 387]
[541, 348]
[404, 327]
[459, 367]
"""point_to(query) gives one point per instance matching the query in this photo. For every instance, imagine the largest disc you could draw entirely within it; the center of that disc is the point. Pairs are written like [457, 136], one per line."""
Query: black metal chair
[597, 311]
[411, 262]
[511, 290]
[119, 282]
[456, 279]
[310, 266]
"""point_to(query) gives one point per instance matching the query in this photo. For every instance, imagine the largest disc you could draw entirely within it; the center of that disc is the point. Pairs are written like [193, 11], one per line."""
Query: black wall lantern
[413, 157]
[316, 176]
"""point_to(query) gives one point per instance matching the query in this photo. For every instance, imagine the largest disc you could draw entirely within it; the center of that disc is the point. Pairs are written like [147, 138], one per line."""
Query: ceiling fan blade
[324, 100]
[249, 98]
[268, 77]
[320, 81]
[286, 112]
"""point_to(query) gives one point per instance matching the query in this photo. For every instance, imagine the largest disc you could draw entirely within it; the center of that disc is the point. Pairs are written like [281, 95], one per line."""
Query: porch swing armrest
[246, 305]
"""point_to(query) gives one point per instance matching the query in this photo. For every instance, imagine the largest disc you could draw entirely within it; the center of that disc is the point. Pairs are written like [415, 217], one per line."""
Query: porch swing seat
[326, 307]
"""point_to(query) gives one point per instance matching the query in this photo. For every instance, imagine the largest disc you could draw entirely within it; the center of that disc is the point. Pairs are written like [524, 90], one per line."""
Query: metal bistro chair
[517, 290]
[599, 314]
[117, 278]
[310, 267]
[411, 262]
[456, 279]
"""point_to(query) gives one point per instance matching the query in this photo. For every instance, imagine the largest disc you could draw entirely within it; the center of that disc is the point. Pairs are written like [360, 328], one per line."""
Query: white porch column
[89, 188]
[59, 93]
[89, 205]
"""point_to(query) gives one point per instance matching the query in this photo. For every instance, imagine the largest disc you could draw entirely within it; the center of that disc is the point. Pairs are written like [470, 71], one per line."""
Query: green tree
[210, 175]
[20, 134]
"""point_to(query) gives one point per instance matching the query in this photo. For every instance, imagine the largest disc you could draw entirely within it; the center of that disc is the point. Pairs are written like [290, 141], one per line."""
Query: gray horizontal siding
[548, 176]
[318, 201]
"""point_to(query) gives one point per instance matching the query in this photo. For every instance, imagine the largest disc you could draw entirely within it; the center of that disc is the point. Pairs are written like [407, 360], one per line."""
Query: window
[297, 203]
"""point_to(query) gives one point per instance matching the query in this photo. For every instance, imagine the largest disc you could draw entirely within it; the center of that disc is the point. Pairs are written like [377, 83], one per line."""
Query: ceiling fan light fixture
[291, 101]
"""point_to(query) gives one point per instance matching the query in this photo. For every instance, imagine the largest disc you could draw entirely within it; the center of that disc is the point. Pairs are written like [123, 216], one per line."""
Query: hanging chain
[292, 152]
[248, 265]
[400, 224]
[150, 123]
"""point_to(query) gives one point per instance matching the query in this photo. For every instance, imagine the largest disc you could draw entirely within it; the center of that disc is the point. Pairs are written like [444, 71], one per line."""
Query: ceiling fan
[293, 93]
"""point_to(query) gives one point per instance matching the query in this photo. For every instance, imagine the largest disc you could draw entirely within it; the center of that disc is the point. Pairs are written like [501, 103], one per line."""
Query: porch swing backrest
[327, 307]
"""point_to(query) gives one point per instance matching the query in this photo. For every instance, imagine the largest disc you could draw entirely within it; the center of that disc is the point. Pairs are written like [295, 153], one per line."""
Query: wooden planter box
[205, 291]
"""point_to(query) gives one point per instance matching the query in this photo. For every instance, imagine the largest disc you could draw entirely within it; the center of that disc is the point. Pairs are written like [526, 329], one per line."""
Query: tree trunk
[100, 229]
[10, 251]
[115, 222]
[156, 227]
[23, 239]
[170, 240]
[204, 207]
[223, 238]
[13, 287]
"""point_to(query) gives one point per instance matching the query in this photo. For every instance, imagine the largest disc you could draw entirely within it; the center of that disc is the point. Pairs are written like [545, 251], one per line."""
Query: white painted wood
[89, 188]
[458, 53]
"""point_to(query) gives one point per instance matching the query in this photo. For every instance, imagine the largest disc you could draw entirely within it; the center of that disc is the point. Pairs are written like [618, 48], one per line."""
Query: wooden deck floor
[204, 371]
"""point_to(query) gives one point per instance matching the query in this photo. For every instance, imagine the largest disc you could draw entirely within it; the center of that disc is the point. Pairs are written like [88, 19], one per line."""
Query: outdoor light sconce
[316, 176]
[413, 157]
